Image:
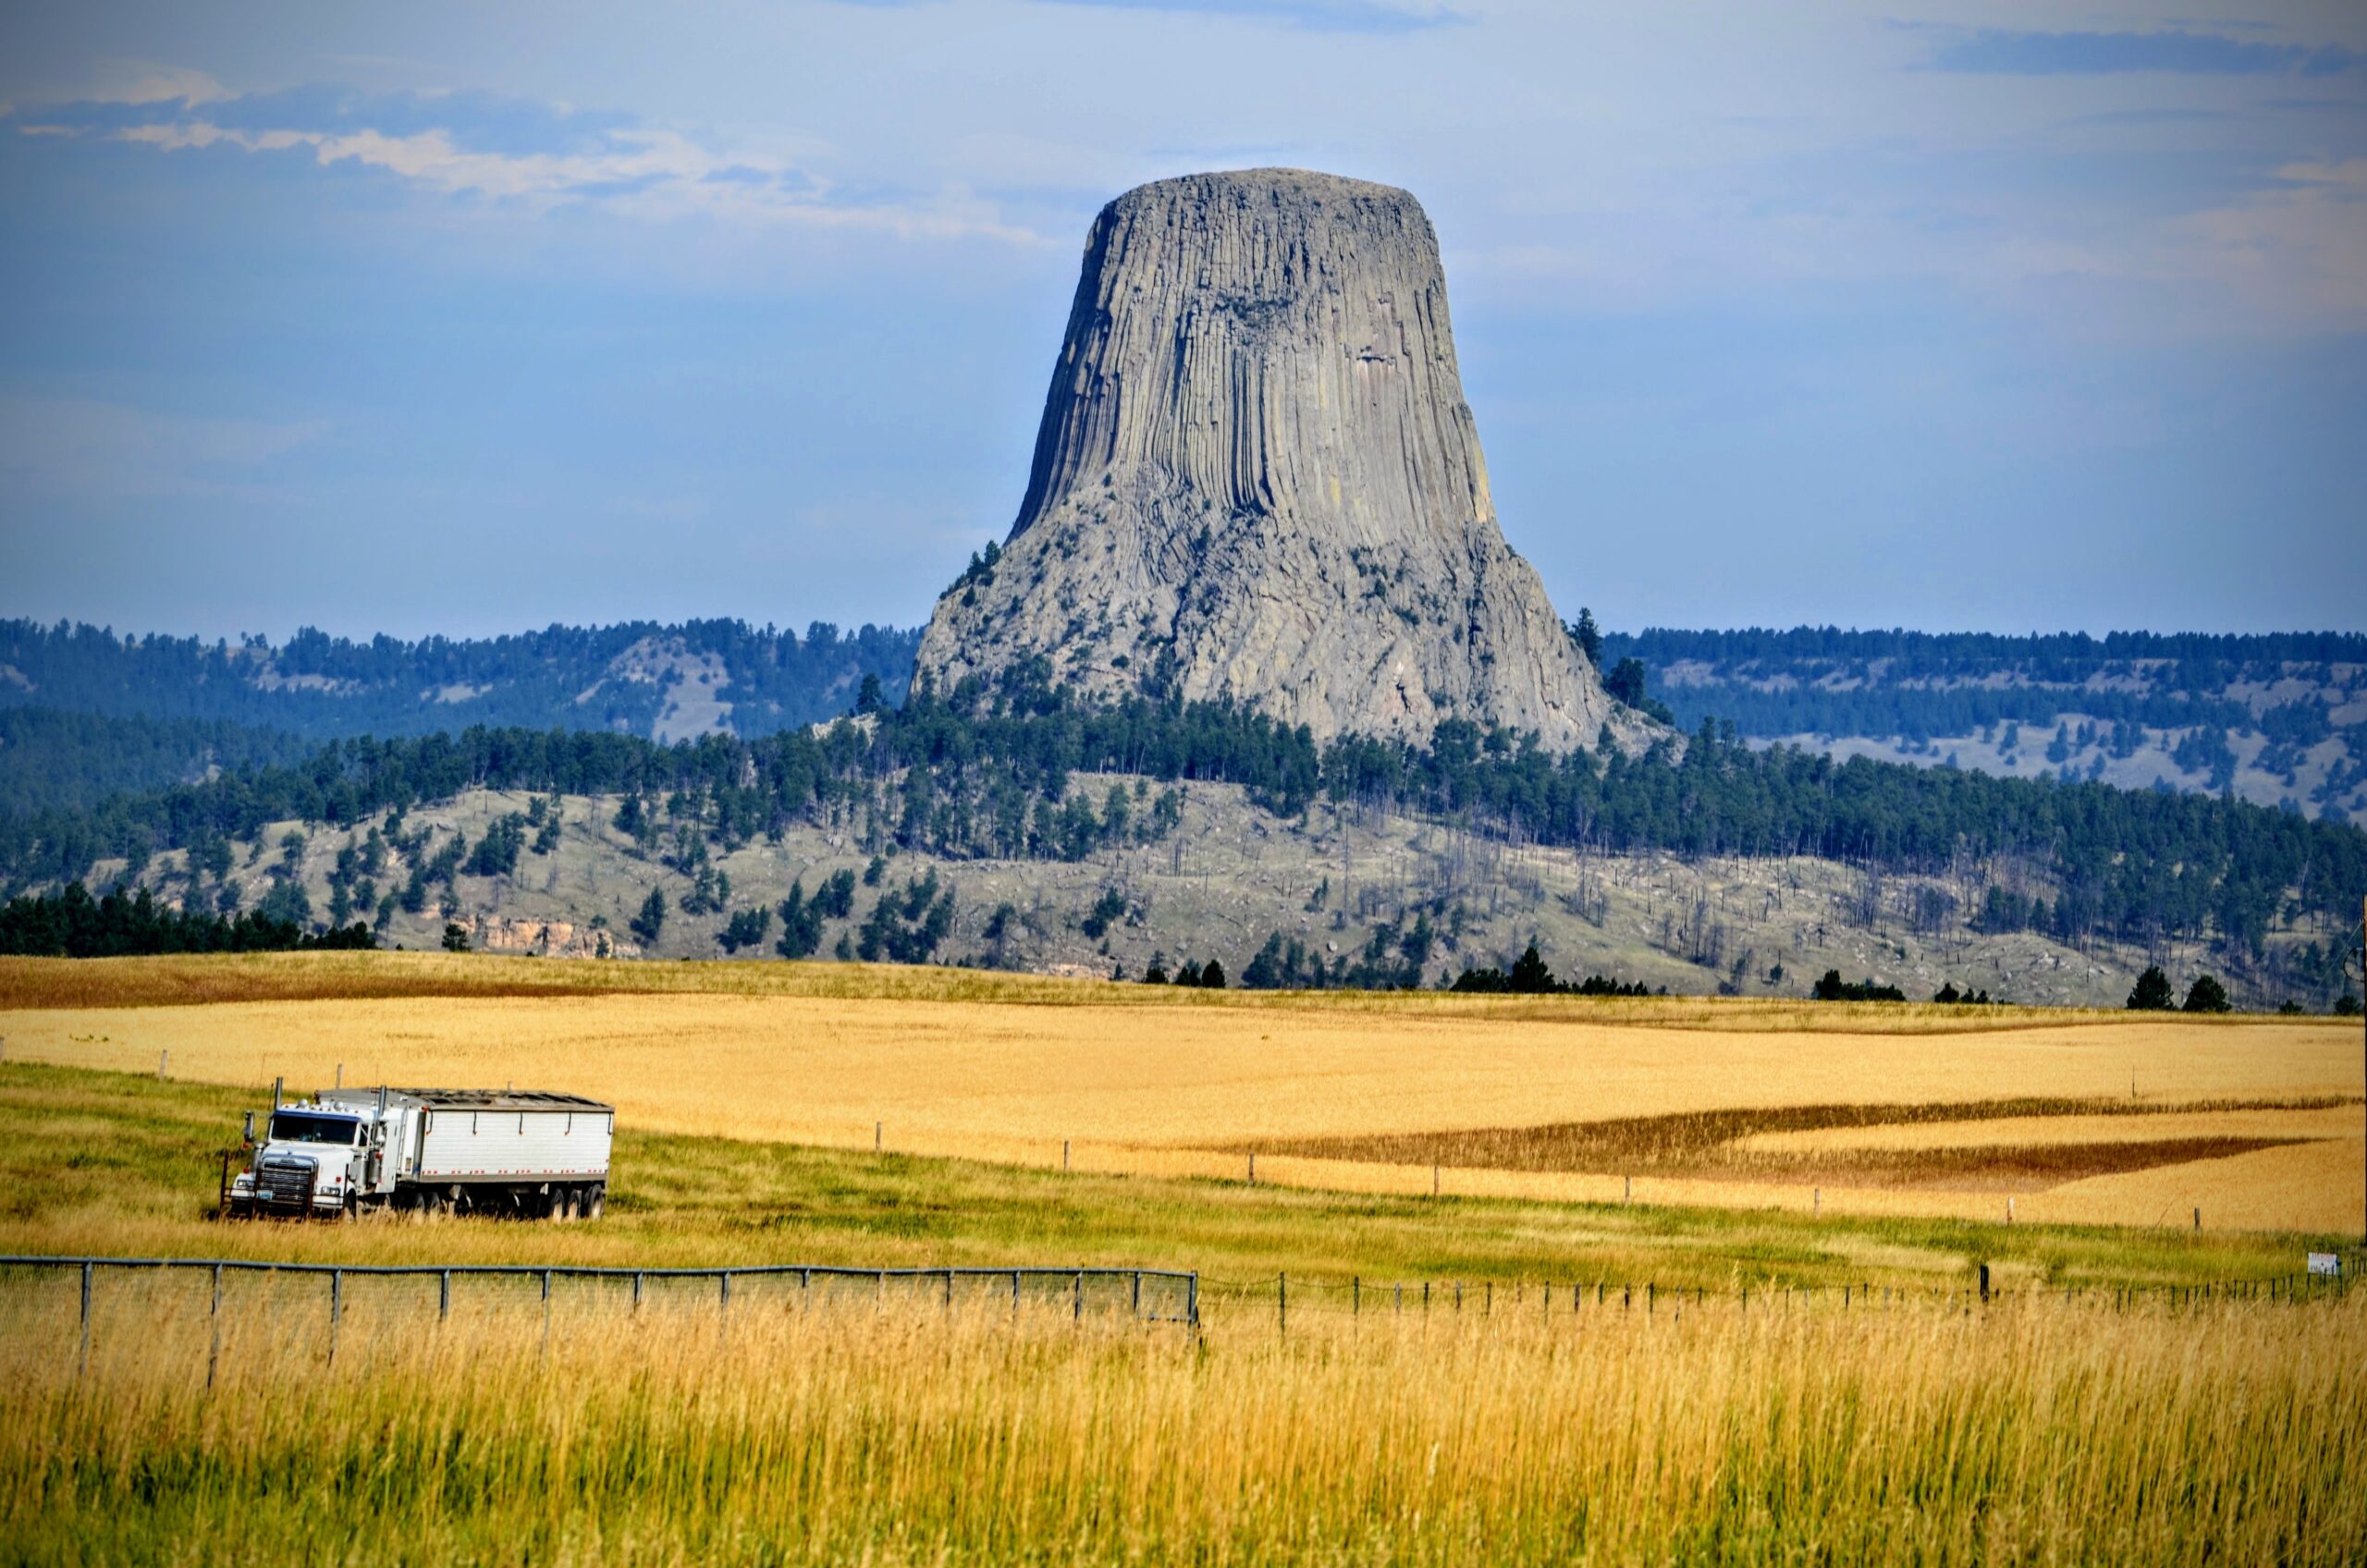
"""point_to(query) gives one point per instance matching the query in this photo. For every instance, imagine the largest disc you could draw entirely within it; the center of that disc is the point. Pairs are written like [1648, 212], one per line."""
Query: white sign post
[2325, 1263]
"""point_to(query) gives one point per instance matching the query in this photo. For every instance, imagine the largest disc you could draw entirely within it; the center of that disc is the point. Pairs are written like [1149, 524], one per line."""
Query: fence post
[1077, 1313]
[336, 1308]
[1282, 1303]
[1138, 1293]
[444, 1295]
[82, 1362]
[1191, 1303]
[1426, 1298]
[948, 1290]
[1014, 1293]
[163, 1060]
[723, 1292]
[878, 1135]
[1985, 1284]
[546, 1314]
[1356, 1295]
[1652, 1296]
[1434, 1180]
[636, 1290]
[1487, 1297]
[1252, 1168]
[214, 1344]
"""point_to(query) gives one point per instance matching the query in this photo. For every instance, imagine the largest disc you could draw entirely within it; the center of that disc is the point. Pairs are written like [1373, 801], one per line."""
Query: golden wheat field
[2036, 1429]
[2077, 1116]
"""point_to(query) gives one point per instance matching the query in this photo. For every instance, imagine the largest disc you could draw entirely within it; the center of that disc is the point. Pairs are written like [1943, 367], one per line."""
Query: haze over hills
[2278, 721]
[84, 713]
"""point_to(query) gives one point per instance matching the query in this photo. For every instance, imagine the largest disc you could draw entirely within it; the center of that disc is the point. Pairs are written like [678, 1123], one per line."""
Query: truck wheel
[596, 1202]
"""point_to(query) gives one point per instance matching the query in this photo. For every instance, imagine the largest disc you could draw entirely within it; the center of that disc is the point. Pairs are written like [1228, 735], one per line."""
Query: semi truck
[523, 1152]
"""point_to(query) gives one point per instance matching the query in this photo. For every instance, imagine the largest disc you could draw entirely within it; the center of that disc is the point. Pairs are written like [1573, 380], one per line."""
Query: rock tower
[1256, 479]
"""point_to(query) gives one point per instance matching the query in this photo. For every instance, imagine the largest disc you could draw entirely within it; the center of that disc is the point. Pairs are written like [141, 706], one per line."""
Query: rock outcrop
[1256, 479]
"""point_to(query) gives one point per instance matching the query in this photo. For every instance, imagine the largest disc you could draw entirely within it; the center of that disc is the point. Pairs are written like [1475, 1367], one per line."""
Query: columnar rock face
[1256, 479]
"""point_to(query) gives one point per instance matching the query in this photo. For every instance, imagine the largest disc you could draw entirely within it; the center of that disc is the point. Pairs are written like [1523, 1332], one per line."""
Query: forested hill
[640, 677]
[991, 781]
[2277, 719]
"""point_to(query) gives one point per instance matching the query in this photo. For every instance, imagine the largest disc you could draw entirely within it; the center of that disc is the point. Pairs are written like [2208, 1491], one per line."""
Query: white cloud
[134, 81]
[2293, 252]
[649, 174]
[85, 447]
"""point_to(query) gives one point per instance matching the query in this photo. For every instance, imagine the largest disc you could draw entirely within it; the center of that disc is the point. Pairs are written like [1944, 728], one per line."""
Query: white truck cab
[531, 1153]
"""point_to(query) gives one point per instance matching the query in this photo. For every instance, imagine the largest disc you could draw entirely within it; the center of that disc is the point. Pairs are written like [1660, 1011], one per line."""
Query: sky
[445, 318]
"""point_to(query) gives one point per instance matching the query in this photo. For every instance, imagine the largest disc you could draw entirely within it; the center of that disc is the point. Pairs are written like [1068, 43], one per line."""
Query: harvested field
[1326, 1088]
[1996, 1146]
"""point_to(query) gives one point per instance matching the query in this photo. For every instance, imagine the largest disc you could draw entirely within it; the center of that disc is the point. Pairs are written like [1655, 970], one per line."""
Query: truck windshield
[296, 1127]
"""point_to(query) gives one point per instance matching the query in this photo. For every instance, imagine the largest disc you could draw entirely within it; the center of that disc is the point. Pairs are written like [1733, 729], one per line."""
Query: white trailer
[506, 1151]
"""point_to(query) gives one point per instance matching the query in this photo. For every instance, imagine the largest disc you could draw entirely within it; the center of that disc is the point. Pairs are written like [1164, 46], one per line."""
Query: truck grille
[289, 1184]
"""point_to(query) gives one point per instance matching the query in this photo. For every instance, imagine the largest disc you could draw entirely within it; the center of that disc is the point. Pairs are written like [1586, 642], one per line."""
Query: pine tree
[2153, 993]
[652, 918]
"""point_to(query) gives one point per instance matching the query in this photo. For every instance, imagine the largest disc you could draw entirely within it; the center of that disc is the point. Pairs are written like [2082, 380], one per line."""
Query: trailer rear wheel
[596, 1203]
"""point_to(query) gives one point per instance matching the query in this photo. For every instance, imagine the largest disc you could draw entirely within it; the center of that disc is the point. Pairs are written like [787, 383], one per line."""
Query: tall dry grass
[894, 1432]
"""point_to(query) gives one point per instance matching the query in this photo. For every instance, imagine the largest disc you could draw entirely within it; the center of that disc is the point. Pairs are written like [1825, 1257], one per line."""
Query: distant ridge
[639, 678]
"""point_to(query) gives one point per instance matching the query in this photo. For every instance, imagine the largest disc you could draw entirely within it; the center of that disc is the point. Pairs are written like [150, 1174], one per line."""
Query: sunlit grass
[899, 1431]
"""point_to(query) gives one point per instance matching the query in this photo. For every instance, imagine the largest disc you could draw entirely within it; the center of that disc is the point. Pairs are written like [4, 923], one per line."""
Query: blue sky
[441, 318]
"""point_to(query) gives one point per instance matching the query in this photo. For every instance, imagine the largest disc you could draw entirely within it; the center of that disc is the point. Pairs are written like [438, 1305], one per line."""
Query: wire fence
[1147, 1296]
[50, 1287]
[1279, 1297]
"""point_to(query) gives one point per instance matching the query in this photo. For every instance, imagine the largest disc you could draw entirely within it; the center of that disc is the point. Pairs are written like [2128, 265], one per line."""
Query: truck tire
[596, 1202]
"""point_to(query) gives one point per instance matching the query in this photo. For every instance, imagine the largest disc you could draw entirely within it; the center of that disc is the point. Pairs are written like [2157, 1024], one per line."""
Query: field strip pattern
[1329, 1096]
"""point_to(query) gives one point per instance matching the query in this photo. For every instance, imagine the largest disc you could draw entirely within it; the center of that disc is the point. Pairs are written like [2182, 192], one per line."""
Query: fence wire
[332, 1303]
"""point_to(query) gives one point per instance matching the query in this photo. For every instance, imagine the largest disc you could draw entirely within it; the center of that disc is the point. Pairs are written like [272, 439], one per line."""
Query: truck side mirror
[248, 1134]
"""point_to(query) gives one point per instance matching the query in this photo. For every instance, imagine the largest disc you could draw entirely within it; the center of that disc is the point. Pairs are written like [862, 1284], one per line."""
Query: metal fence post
[444, 1295]
[1191, 1303]
[213, 1343]
[336, 1308]
[546, 1314]
[82, 1361]
[636, 1290]
[1078, 1312]
[1138, 1293]
[1355, 1296]
[1014, 1293]
[948, 1290]
[1282, 1303]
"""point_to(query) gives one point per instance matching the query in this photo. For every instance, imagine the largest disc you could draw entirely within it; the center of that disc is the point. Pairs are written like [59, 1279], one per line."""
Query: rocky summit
[1256, 479]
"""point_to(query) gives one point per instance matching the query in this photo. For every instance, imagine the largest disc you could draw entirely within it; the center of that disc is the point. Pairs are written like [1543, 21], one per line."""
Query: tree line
[989, 772]
[71, 923]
